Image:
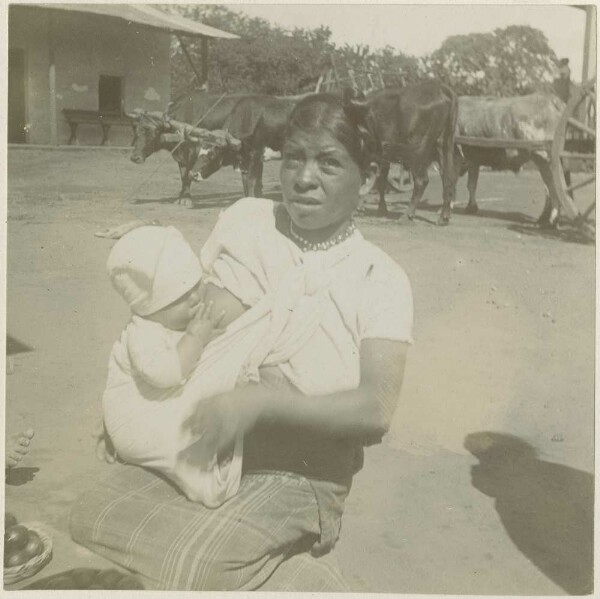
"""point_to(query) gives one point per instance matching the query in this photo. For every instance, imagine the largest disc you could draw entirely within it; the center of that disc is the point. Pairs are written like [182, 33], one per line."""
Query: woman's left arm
[364, 412]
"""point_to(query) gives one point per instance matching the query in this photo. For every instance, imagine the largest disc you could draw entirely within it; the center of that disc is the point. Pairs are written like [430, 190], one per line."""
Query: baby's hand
[271, 376]
[204, 326]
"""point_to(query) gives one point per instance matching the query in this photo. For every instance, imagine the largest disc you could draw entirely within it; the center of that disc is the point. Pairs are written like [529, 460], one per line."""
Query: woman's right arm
[364, 412]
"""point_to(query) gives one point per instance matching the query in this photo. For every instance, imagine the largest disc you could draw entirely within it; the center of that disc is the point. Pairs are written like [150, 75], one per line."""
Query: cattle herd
[415, 126]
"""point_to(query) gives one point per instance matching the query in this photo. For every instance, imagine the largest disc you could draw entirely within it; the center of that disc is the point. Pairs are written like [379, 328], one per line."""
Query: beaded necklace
[308, 246]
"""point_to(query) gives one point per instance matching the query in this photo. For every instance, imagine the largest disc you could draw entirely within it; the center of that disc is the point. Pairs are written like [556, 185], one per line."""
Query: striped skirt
[258, 539]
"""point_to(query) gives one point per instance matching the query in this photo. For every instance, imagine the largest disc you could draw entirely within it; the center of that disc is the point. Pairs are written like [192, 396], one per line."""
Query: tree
[513, 61]
[271, 60]
[267, 59]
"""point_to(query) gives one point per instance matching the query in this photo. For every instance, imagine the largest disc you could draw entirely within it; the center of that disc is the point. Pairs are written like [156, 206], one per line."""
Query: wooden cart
[571, 150]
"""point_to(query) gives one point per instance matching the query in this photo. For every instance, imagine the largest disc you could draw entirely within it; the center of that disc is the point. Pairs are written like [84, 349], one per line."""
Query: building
[92, 60]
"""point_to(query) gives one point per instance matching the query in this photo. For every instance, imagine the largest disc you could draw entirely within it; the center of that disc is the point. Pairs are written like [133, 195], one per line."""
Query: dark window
[110, 94]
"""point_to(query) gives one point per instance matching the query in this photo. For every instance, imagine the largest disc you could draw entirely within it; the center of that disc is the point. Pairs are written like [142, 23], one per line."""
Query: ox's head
[148, 130]
[223, 151]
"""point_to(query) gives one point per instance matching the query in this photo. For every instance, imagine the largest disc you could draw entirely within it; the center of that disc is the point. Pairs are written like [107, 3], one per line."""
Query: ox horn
[136, 114]
[232, 141]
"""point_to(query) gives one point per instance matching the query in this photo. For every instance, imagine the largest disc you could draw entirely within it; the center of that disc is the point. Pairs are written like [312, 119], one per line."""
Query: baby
[145, 400]
[189, 339]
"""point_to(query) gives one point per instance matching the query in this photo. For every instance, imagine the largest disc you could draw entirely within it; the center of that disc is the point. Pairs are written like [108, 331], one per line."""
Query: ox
[408, 122]
[532, 118]
[258, 122]
[208, 110]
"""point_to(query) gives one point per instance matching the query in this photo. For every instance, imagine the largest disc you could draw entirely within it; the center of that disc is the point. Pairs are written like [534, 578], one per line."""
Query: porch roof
[143, 14]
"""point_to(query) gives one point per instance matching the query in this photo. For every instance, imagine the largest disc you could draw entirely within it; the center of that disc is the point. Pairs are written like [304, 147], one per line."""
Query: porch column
[52, 82]
[589, 44]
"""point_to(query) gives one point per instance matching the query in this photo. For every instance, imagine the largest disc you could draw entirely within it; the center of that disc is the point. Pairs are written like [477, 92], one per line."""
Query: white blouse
[368, 294]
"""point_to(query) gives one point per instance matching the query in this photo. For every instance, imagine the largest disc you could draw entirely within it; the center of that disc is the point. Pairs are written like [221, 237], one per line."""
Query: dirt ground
[504, 330]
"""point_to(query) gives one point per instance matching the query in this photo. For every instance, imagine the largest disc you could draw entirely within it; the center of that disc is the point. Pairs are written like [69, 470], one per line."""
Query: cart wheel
[573, 150]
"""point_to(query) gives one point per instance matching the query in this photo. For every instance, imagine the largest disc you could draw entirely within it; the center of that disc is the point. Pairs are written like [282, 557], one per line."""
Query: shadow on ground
[510, 216]
[88, 579]
[547, 509]
[566, 233]
[393, 216]
[20, 476]
[14, 346]
[226, 199]
[425, 206]
[209, 200]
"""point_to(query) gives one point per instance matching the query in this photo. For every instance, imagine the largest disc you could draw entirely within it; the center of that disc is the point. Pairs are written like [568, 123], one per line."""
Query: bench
[106, 120]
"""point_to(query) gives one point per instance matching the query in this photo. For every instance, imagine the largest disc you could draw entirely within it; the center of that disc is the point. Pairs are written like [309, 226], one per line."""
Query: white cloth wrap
[308, 314]
[148, 425]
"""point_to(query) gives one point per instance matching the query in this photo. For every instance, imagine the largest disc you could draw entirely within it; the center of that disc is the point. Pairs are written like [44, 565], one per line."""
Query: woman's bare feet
[17, 447]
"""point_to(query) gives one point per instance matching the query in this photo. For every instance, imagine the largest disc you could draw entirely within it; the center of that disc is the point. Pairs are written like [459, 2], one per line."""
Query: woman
[300, 451]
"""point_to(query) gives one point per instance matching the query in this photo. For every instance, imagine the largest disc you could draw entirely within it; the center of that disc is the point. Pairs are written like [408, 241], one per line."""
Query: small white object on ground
[120, 230]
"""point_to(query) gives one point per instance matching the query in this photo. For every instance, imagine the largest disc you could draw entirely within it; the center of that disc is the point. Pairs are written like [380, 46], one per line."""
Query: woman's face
[320, 181]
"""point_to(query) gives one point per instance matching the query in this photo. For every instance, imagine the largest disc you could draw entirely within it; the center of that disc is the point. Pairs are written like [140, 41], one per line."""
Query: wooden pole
[329, 86]
[319, 83]
[204, 61]
[189, 59]
[589, 44]
[334, 71]
[381, 81]
[352, 79]
[52, 82]
[368, 79]
[326, 80]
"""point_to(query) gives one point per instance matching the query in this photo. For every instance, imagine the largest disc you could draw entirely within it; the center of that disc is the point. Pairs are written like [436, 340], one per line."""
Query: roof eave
[164, 22]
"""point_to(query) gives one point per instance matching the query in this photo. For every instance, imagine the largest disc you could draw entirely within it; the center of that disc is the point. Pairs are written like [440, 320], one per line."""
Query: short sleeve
[236, 226]
[153, 354]
[386, 303]
[230, 256]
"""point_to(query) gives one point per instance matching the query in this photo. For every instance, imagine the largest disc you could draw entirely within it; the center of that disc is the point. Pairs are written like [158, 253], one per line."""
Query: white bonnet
[151, 267]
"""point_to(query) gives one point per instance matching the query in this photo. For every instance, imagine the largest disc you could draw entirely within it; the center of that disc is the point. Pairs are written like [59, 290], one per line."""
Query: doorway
[110, 94]
[16, 96]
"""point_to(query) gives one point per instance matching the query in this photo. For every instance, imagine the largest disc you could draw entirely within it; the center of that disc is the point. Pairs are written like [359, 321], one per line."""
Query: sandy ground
[504, 329]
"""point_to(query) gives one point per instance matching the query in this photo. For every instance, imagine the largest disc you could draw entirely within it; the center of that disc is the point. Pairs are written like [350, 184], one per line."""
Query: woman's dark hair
[344, 118]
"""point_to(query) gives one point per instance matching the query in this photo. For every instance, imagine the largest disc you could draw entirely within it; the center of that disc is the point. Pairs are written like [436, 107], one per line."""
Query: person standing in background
[562, 84]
